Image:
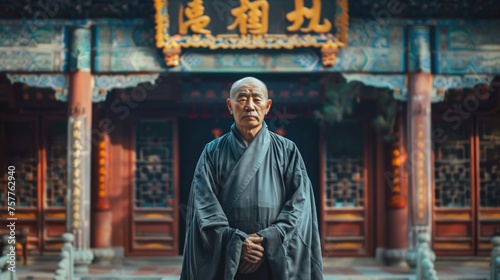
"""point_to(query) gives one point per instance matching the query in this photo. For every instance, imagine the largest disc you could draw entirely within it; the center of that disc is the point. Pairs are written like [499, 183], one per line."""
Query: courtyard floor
[334, 268]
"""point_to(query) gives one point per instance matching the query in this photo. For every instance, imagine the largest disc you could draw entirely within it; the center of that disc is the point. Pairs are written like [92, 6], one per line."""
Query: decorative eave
[172, 45]
[440, 83]
[101, 84]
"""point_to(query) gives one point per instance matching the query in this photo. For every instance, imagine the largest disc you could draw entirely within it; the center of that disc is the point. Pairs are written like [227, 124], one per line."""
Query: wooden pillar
[101, 209]
[380, 196]
[101, 229]
[79, 146]
[419, 138]
[397, 195]
[420, 163]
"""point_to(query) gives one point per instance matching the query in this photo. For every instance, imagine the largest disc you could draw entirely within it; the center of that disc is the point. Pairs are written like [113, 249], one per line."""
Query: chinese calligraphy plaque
[250, 24]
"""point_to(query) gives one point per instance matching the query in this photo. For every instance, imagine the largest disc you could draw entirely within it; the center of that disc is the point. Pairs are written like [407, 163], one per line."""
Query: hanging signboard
[251, 24]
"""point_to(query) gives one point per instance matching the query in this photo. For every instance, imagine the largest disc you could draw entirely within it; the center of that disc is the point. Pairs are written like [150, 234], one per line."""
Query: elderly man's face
[249, 104]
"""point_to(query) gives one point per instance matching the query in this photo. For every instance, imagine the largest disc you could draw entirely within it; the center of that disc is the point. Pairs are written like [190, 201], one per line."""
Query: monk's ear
[228, 104]
[268, 105]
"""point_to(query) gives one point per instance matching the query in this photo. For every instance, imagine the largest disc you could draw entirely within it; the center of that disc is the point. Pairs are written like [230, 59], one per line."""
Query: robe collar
[247, 165]
[239, 146]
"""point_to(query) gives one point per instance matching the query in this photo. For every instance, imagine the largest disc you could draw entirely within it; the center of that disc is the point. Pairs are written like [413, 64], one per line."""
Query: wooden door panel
[37, 147]
[488, 183]
[453, 229]
[454, 215]
[453, 232]
[154, 220]
[488, 227]
[153, 230]
[54, 194]
[19, 147]
[29, 220]
[345, 231]
[345, 188]
[467, 188]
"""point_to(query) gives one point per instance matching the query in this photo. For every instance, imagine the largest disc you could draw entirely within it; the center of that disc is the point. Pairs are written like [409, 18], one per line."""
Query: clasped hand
[252, 254]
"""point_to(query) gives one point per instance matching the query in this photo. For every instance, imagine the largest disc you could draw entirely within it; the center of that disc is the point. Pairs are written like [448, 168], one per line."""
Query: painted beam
[440, 83]
[471, 49]
[42, 49]
[102, 83]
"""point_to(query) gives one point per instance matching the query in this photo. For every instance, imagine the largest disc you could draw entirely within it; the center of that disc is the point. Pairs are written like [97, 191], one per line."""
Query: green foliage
[386, 114]
[340, 99]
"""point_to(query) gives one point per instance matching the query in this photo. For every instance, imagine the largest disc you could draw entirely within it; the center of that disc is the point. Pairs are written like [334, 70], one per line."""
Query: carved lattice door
[345, 197]
[36, 147]
[467, 187]
[154, 199]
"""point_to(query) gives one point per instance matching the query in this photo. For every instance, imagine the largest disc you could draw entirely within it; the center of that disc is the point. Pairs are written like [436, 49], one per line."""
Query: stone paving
[334, 269]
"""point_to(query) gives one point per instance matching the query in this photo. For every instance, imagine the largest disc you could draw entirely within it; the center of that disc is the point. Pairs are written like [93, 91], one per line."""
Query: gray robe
[239, 190]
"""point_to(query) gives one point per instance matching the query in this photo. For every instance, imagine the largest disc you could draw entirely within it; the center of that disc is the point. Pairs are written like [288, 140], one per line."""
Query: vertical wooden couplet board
[420, 155]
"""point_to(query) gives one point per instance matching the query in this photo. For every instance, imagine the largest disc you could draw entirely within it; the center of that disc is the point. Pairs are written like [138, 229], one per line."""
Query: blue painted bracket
[445, 82]
[440, 83]
[105, 83]
[102, 83]
[397, 83]
[57, 82]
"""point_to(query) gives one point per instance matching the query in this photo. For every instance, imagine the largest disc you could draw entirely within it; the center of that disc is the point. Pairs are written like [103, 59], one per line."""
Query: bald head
[249, 82]
[249, 104]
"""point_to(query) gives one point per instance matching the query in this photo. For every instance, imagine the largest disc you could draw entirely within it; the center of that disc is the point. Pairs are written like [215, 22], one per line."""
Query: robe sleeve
[212, 248]
[292, 244]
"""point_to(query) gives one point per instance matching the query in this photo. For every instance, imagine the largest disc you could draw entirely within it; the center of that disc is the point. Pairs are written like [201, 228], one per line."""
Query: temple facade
[105, 109]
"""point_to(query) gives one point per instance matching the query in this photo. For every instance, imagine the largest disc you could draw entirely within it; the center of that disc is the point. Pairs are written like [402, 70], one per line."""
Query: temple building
[105, 107]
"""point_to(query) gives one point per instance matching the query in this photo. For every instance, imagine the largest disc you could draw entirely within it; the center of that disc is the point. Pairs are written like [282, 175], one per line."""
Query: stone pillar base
[103, 256]
[395, 257]
[411, 260]
[83, 258]
[379, 255]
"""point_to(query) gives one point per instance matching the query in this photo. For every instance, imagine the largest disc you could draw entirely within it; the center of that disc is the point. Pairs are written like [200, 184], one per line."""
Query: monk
[251, 210]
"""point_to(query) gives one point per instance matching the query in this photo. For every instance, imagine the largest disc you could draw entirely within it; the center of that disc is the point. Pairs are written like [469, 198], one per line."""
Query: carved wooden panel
[37, 148]
[453, 191]
[155, 196]
[345, 200]
[467, 184]
[19, 147]
[488, 177]
[55, 135]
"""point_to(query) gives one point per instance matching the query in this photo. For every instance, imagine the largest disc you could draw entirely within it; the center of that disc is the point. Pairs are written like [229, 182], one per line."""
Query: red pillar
[80, 97]
[101, 214]
[419, 137]
[419, 160]
[397, 195]
[80, 104]
[79, 175]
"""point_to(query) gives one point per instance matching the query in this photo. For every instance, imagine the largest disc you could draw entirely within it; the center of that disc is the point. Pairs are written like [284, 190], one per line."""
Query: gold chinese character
[252, 17]
[196, 18]
[312, 14]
